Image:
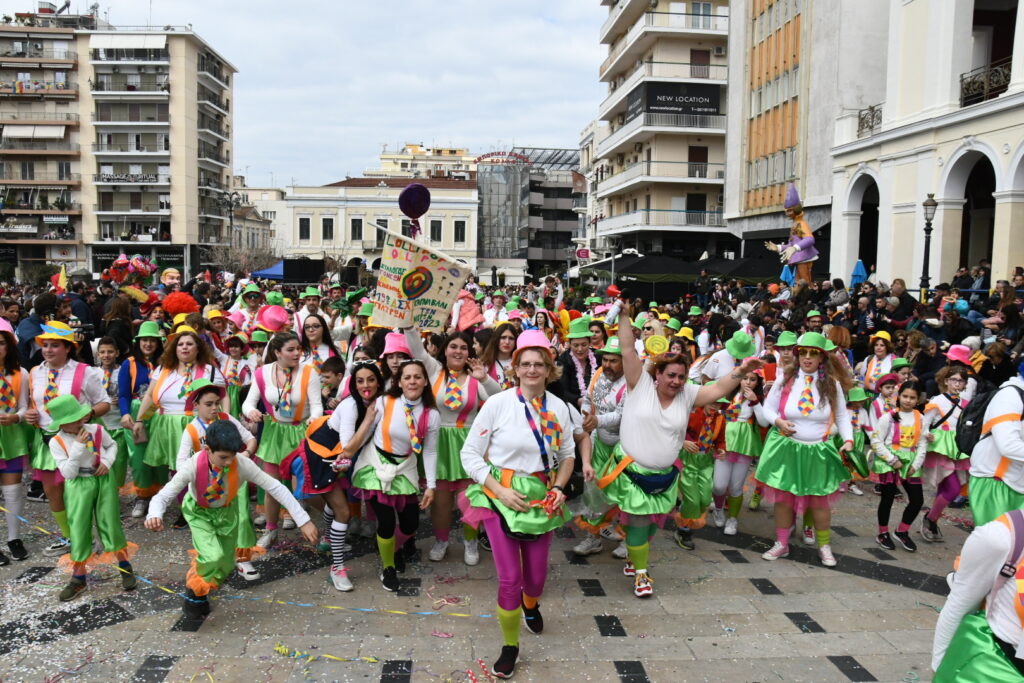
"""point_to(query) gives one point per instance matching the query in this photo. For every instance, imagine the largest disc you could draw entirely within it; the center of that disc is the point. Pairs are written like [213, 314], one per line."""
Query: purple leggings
[945, 493]
[522, 565]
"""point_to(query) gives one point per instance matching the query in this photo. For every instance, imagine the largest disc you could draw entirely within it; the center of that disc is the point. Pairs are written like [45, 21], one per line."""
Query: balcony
[656, 24]
[125, 85]
[123, 117]
[206, 125]
[579, 203]
[213, 102]
[157, 209]
[662, 220]
[372, 245]
[674, 72]
[39, 178]
[647, 126]
[133, 55]
[699, 172]
[213, 157]
[211, 235]
[150, 234]
[30, 233]
[131, 178]
[130, 148]
[54, 89]
[869, 121]
[38, 117]
[985, 82]
[620, 15]
[41, 208]
[37, 147]
[37, 56]
[215, 75]
[211, 183]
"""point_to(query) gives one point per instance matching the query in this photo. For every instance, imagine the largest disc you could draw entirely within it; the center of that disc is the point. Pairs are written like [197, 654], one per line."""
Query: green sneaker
[71, 591]
[755, 502]
[684, 539]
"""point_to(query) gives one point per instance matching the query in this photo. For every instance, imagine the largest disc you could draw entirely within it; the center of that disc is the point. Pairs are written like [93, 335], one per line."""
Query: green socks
[386, 548]
[734, 504]
[637, 535]
[823, 536]
[62, 522]
[638, 554]
[808, 518]
[509, 620]
[469, 533]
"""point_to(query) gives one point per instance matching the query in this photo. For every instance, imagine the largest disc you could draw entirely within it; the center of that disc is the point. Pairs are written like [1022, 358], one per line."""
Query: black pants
[408, 519]
[915, 500]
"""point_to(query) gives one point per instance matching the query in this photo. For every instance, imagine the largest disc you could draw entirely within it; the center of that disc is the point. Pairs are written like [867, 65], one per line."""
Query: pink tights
[522, 565]
[945, 493]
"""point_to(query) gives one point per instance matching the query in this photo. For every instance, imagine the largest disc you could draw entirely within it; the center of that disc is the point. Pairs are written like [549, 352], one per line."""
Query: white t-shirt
[650, 434]
[92, 393]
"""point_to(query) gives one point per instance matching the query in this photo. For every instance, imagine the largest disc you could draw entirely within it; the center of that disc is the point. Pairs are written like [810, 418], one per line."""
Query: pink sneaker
[827, 558]
[775, 552]
[629, 569]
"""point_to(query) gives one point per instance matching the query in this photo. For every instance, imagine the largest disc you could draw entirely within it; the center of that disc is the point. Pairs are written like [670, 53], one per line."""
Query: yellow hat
[215, 313]
[184, 328]
[57, 330]
[663, 316]
[685, 332]
[882, 335]
[180, 318]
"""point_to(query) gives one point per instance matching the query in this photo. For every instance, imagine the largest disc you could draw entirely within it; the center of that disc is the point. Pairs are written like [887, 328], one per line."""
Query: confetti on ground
[309, 657]
[442, 634]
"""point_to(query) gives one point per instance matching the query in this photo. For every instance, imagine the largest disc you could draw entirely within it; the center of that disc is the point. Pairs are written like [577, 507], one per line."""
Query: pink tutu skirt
[396, 501]
[800, 504]
[471, 516]
[937, 467]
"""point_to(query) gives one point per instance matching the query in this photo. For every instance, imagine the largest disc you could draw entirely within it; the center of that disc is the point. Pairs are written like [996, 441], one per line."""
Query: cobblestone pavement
[718, 613]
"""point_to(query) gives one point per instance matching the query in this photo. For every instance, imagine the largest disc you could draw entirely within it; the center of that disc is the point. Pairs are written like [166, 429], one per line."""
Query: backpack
[969, 429]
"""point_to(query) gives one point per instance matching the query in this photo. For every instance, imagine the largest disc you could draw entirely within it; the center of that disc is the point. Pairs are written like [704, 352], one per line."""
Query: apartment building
[660, 171]
[795, 66]
[948, 124]
[417, 161]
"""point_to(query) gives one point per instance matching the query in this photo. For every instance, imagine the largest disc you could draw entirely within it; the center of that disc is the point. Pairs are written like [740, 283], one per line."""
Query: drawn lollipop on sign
[414, 202]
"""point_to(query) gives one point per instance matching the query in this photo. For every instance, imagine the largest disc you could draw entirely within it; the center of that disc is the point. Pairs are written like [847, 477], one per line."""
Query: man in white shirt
[997, 461]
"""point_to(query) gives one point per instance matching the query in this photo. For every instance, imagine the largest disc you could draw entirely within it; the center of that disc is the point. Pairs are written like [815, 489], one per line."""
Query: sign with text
[583, 254]
[22, 228]
[416, 285]
[673, 98]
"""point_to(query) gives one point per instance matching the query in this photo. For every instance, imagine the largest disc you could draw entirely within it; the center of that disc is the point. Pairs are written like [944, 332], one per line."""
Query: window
[107, 231]
[357, 229]
[406, 227]
[28, 170]
[64, 170]
[327, 229]
[270, 215]
[382, 225]
[435, 230]
[304, 228]
[460, 231]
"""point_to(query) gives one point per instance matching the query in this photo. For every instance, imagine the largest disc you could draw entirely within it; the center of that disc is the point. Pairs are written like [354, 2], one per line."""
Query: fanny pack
[654, 483]
[391, 458]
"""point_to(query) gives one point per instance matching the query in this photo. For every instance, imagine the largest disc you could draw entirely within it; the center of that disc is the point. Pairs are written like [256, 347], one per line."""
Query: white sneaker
[590, 545]
[260, 519]
[620, 551]
[57, 548]
[288, 523]
[809, 538]
[267, 539]
[775, 552]
[139, 509]
[471, 553]
[827, 558]
[610, 533]
[439, 550]
[731, 526]
[719, 516]
[247, 570]
[339, 577]
[854, 489]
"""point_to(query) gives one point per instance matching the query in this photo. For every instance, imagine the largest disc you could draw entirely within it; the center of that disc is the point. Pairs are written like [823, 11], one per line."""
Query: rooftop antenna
[149, 20]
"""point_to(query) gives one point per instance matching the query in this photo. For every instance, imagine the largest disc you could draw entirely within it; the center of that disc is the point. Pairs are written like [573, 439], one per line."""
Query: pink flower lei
[579, 369]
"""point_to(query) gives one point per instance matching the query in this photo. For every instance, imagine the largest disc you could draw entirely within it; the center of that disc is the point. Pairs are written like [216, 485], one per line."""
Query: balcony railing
[38, 88]
[211, 182]
[681, 170]
[130, 148]
[132, 178]
[37, 145]
[123, 117]
[209, 98]
[129, 55]
[37, 116]
[712, 23]
[145, 208]
[212, 156]
[212, 126]
[665, 218]
[579, 202]
[11, 177]
[869, 121]
[985, 82]
[215, 73]
[18, 232]
[39, 54]
[51, 207]
[123, 85]
[625, 131]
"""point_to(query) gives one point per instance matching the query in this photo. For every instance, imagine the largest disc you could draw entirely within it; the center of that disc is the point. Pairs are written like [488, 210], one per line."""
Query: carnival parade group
[619, 416]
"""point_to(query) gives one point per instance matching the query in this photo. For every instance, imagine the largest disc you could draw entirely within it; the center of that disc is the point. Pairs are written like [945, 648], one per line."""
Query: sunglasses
[810, 353]
[648, 329]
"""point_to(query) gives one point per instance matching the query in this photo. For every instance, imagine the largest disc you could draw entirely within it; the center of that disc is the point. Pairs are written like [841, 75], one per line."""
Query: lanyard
[533, 428]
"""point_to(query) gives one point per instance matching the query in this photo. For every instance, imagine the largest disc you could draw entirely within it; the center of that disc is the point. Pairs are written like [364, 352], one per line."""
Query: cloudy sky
[324, 84]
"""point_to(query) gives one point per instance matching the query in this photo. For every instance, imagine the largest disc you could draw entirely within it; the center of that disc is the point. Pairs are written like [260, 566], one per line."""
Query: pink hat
[272, 318]
[532, 339]
[238, 318]
[885, 379]
[5, 326]
[394, 342]
[515, 315]
[959, 353]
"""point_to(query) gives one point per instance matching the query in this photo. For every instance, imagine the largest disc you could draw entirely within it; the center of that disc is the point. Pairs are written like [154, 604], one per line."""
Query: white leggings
[729, 476]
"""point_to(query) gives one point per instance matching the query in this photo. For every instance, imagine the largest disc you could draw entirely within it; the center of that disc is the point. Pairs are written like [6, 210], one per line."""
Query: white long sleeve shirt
[72, 457]
[812, 428]
[312, 408]
[247, 471]
[607, 398]
[92, 393]
[502, 433]
[650, 434]
[186, 448]
[21, 401]
[882, 436]
[1006, 439]
[399, 441]
[984, 553]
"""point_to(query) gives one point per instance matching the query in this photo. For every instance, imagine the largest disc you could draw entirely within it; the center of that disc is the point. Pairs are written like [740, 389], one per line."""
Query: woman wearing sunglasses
[800, 466]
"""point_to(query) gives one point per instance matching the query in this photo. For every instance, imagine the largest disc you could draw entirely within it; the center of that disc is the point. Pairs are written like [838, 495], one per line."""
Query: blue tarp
[274, 272]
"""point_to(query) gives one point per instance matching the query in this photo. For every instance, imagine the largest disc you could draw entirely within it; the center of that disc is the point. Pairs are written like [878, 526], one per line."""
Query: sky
[323, 85]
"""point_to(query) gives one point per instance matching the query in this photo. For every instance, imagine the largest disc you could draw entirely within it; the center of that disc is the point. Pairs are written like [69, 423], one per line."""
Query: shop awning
[128, 42]
[22, 131]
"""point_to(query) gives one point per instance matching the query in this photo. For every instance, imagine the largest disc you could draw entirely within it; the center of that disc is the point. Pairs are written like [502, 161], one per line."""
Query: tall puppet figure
[799, 252]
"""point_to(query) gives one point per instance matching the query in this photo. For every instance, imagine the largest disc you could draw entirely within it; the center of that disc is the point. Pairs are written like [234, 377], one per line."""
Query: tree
[234, 259]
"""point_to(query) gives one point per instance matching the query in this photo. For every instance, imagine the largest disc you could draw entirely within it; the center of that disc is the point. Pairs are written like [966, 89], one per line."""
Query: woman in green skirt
[132, 383]
[14, 443]
[290, 395]
[186, 358]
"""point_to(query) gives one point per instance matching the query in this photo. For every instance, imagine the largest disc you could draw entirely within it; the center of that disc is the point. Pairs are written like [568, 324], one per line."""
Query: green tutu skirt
[366, 478]
[278, 440]
[449, 448]
[945, 443]
[235, 399]
[147, 480]
[165, 439]
[534, 520]
[628, 496]
[15, 440]
[906, 456]
[802, 469]
[696, 483]
[991, 498]
[743, 438]
[857, 456]
[974, 655]
[39, 450]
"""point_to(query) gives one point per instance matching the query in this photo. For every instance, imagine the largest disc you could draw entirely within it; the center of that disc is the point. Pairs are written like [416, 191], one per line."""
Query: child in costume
[743, 416]
[84, 455]
[14, 437]
[132, 383]
[108, 359]
[856, 459]
[214, 478]
[945, 467]
[238, 369]
[332, 373]
[705, 436]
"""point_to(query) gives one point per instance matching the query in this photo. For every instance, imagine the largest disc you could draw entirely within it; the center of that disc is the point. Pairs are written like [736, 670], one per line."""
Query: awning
[23, 131]
[49, 132]
[18, 131]
[128, 42]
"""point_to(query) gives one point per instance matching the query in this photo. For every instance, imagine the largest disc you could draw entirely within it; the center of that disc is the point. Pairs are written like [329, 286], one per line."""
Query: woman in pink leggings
[526, 433]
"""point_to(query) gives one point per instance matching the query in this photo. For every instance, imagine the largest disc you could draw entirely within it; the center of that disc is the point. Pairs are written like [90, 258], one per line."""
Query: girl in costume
[705, 441]
[258, 341]
[185, 359]
[526, 437]
[884, 401]
[879, 363]
[857, 461]
[58, 375]
[899, 443]
[317, 345]
[84, 455]
[14, 437]
[641, 474]
[497, 355]
[800, 466]
[743, 416]
[238, 368]
[215, 477]
[460, 385]
[205, 403]
[396, 351]
[290, 395]
[945, 467]
[385, 474]
[107, 357]
[132, 382]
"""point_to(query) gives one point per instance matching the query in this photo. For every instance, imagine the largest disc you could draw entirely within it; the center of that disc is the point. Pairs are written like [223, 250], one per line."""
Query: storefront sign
[503, 159]
[21, 229]
[416, 286]
[583, 254]
[55, 219]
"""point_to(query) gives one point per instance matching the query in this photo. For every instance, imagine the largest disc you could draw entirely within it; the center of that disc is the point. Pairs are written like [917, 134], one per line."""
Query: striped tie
[452, 392]
[317, 361]
[732, 411]
[106, 380]
[707, 434]
[548, 423]
[855, 420]
[876, 370]
[186, 385]
[51, 386]
[285, 405]
[90, 445]
[806, 403]
[215, 489]
[414, 437]
[232, 376]
[7, 398]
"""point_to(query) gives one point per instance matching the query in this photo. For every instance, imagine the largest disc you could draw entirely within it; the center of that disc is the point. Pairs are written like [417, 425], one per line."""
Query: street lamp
[929, 205]
[230, 201]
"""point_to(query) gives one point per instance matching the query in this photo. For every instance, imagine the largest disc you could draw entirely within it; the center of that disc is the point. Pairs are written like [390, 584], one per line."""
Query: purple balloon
[414, 200]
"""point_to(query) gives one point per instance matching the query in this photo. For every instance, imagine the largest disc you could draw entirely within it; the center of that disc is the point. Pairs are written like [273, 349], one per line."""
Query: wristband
[558, 488]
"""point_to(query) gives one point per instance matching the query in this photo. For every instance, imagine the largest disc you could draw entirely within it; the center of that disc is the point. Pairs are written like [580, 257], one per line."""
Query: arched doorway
[864, 199]
[979, 213]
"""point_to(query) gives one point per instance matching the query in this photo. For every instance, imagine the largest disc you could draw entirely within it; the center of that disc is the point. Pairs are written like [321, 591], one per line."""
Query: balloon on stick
[414, 202]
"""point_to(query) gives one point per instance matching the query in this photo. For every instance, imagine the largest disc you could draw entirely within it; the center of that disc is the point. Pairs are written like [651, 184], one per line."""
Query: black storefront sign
[673, 98]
